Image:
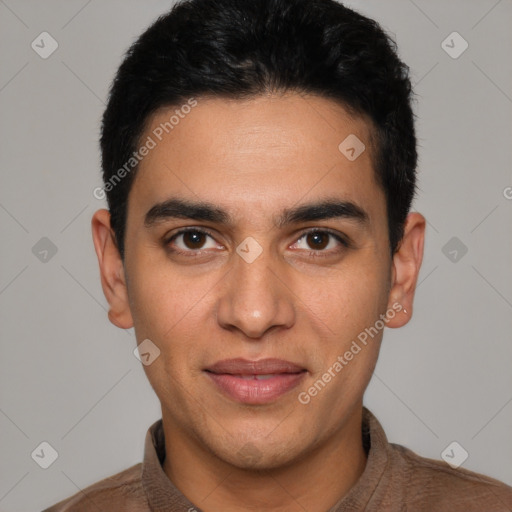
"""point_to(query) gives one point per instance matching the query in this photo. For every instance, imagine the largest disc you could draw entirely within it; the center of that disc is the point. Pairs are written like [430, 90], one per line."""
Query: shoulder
[434, 485]
[122, 491]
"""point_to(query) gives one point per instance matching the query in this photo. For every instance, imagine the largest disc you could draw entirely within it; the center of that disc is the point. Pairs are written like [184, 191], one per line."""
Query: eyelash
[313, 253]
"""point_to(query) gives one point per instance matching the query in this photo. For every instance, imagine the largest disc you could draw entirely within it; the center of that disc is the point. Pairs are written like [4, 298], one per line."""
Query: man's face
[209, 295]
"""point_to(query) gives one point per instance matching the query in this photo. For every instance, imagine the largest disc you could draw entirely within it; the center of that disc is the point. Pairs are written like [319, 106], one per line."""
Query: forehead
[263, 152]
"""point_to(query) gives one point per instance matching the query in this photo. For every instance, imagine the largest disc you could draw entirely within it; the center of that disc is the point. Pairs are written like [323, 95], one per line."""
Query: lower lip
[252, 391]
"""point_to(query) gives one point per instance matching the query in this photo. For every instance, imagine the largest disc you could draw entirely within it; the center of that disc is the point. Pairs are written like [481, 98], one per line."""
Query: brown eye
[321, 242]
[194, 239]
[318, 241]
[191, 242]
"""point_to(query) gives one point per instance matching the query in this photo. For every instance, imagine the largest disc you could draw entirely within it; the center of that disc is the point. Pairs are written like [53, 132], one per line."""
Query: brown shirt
[395, 479]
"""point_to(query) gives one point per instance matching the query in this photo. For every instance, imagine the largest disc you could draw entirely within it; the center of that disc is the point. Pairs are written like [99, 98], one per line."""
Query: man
[259, 163]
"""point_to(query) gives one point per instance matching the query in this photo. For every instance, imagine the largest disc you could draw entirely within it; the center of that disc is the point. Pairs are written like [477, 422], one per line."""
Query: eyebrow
[180, 209]
[202, 211]
[327, 209]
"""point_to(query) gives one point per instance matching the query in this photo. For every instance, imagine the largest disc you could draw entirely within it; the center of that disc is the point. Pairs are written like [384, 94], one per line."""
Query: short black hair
[240, 49]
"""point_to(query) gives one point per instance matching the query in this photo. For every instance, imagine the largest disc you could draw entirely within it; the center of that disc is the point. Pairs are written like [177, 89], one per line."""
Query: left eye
[318, 241]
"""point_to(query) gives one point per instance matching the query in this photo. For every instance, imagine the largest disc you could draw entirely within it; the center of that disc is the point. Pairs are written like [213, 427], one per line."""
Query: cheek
[161, 299]
[176, 313]
[347, 300]
[171, 315]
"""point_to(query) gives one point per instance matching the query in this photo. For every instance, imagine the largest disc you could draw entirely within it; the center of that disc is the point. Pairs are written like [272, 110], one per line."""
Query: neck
[316, 481]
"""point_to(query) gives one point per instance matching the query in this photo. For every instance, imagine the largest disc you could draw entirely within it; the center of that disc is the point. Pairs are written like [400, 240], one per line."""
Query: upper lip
[240, 366]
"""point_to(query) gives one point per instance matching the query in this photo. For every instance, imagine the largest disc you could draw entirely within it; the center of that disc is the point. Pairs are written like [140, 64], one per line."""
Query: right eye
[191, 242]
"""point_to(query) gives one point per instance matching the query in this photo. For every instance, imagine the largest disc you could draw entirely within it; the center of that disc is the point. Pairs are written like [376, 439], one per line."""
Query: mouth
[255, 382]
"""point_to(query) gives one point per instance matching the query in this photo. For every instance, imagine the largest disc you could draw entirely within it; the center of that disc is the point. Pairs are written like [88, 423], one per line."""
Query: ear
[113, 279]
[406, 267]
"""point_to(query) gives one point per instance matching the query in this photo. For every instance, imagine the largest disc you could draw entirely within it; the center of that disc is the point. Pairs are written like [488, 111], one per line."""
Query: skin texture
[254, 158]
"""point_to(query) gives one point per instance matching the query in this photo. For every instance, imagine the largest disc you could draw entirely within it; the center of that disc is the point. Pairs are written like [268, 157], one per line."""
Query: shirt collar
[366, 489]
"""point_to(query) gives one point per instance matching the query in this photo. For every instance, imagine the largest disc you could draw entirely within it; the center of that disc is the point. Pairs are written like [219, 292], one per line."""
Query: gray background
[69, 377]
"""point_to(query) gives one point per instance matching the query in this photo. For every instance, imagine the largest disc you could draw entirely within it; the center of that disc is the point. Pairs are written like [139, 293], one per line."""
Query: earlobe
[406, 267]
[111, 266]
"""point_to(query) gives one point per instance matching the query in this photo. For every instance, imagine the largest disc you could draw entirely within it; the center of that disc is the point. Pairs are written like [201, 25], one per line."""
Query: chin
[259, 456]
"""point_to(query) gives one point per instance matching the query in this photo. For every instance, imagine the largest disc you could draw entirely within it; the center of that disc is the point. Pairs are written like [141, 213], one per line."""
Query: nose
[254, 298]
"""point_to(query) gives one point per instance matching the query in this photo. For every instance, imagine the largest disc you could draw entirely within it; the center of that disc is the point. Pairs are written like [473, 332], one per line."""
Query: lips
[261, 367]
[255, 382]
